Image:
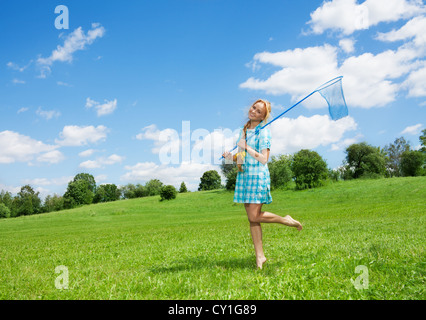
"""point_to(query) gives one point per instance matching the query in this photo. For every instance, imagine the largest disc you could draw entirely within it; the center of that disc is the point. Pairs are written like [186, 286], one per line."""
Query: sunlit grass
[198, 246]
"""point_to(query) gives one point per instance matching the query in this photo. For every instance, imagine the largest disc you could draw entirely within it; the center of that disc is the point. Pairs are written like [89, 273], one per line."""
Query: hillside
[198, 246]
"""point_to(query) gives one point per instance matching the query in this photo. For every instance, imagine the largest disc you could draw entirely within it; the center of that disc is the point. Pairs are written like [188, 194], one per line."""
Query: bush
[364, 160]
[106, 192]
[153, 187]
[78, 193]
[53, 203]
[27, 201]
[168, 193]
[4, 211]
[183, 188]
[231, 179]
[411, 163]
[210, 181]
[279, 169]
[309, 169]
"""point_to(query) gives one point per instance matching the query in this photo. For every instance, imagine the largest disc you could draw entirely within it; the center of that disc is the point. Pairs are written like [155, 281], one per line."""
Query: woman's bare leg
[268, 217]
[255, 214]
[256, 235]
[256, 217]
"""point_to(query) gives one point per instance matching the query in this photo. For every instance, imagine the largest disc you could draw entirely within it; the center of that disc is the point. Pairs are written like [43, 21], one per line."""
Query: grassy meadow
[198, 246]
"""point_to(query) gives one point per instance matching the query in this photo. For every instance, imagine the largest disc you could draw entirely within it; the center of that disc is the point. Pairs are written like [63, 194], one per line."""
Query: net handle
[321, 87]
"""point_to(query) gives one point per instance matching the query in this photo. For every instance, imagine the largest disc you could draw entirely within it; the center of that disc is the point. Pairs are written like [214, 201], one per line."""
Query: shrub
[4, 211]
[106, 192]
[279, 168]
[168, 193]
[411, 163]
[309, 169]
[210, 180]
[364, 160]
[183, 188]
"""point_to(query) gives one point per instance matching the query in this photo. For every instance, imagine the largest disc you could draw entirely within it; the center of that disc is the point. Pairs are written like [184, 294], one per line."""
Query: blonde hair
[267, 105]
[268, 108]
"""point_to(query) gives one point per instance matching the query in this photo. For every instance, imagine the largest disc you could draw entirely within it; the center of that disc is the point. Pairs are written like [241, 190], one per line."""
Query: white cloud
[346, 142]
[347, 45]
[102, 109]
[347, 16]
[54, 156]
[79, 136]
[292, 135]
[11, 189]
[16, 67]
[413, 29]
[369, 80]
[413, 130]
[87, 153]
[16, 147]
[161, 138]
[101, 162]
[416, 82]
[75, 41]
[17, 81]
[48, 182]
[23, 109]
[299, 73]
[47, 114]
[101, 178]
[64, 84]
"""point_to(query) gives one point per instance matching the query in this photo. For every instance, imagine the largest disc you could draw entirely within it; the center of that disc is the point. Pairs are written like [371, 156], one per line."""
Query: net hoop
[329, 83]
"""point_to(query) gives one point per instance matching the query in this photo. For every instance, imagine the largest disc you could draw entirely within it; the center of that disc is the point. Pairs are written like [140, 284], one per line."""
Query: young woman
[253, 182]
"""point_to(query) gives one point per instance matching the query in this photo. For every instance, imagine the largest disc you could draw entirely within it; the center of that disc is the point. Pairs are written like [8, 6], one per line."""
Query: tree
[230, 171]
[6, 198]
[280, 171]
[411, 163]
[231, 179]
[422, 139]
[394, 152]
[27, 201]
[53, 203]
[4, 211]
[131, 191]
[106, 193]
[89, 178]
[183, 188]
[364, 160]
[153, 187]
[128, 191]
[168, 193]
[210, 180]
[309, 169]
[78, 192]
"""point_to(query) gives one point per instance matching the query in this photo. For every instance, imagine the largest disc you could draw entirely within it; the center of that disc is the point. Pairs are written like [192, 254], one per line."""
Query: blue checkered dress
[254, 184]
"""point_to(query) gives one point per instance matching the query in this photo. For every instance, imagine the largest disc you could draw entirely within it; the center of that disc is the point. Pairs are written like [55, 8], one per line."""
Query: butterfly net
[332, 92]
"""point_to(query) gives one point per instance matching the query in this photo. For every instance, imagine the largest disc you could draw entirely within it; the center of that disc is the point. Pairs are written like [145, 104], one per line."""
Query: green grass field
[198, 246]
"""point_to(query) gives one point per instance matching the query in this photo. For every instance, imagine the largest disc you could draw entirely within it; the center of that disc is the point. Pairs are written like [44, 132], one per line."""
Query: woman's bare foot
[293, 223]
[260, 261]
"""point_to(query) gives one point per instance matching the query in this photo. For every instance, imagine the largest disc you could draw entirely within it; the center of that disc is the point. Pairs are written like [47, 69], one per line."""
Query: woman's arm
[262, 156]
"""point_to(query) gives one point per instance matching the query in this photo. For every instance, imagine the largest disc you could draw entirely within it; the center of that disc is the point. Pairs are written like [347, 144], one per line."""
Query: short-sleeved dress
[253, 185]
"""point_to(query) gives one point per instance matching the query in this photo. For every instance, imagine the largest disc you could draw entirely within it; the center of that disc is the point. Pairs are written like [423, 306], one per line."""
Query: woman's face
[257, 112]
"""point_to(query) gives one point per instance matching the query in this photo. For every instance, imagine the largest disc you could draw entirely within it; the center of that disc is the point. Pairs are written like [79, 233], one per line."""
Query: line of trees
[82, 190]
[305, 169]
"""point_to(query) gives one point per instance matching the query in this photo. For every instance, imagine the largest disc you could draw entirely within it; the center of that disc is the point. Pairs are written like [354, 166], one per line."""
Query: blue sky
[132, 83]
